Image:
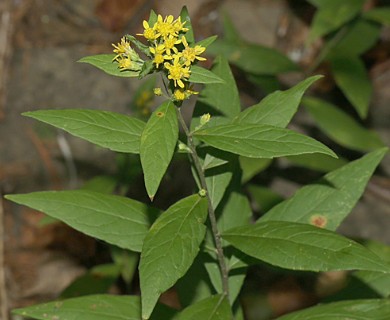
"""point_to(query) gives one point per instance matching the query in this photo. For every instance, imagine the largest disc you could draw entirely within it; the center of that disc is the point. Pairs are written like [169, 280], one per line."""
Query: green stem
[213, 220]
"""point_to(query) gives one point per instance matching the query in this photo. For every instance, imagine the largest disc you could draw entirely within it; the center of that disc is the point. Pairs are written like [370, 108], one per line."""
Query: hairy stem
[211, 212]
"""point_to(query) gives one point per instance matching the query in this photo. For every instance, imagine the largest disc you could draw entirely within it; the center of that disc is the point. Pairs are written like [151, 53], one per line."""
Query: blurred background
[40, 44]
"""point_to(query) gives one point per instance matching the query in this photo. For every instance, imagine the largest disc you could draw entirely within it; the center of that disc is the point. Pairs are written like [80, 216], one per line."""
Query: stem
[211, 212]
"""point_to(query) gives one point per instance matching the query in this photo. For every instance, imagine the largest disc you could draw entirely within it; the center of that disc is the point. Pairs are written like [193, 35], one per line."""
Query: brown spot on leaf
[159, 114]
[319, 220]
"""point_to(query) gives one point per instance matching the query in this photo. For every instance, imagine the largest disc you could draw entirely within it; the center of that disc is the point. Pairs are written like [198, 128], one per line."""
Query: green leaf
[381, 15]
[152, 18]
[300, 246]
[230, 32]
[330, 200]
[114, 219]
[264, 197]
[317, 161]
[103, 184]
[106, 129]
[278, 108]
[378, 281]
[352, 78]
[331, 15]
[206, 42]
[202, 75]
[260, 141]
[94, 307]
[185, 17]
[351, 43]
[217, 180]
[224, 97]
[352, 310]
[97, 280]
[253, 58]
[158, 143]
[341, 127]
[105, 62]
[252, 166]
[170, 247]
[213, 308]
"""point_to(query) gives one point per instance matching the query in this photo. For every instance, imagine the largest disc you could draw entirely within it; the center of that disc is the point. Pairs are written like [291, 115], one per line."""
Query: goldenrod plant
[203, 245]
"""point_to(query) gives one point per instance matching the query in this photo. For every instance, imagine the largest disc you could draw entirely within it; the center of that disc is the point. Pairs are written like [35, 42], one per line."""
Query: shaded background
[40, 42]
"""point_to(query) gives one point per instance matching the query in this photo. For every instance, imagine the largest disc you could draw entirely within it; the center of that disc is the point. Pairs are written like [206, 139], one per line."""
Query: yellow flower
[190, 54]
[165, 27]
[125, 64]
[158, 53]
[182, 94]
[157, 92]
[170, 43]
[177, 72]
[149, 32]
[122, 48]
[178, 26]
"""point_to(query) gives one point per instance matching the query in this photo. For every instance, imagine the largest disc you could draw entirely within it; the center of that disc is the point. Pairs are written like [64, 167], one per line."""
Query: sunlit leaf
[278, 108]
[170, 247]
[202, 75]
[213, 308]
[105, 62]
[158, 143]
[114, 219]
[223, 97]
[106, 129]
[260, 141]
[300, 246]
[94, 307]
[327, 202]
[351, 310]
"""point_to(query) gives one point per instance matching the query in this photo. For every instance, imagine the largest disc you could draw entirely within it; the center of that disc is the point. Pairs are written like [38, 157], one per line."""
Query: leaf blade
[213, 308]
[125, 221]
[259, 141]
[300, 246]
[158, 143]
[332, 198]
[202, 75]
[107, 129]
[170, 247]
[105, 63]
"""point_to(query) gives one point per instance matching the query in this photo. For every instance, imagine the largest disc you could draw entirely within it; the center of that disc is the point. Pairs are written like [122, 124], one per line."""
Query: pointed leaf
[223, 97]
[106, 129]
[300, 246]
[317, 161]
[116, 220]
[260, 141]
[352, 78]
[170, 247]
[351, 43]
[278, 108]
[381, 15]
[331, 15]
[252, 166]
[106, 63]
[94, 307]
[185, 17]
[158, 143]
[253, 58]
[202, 75]
[351, 310]
[207, 41]
[328, 202]
[341, 127]
[213, 308]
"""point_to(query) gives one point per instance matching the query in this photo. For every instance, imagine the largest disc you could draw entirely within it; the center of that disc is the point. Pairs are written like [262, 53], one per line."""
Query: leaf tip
[151, 197]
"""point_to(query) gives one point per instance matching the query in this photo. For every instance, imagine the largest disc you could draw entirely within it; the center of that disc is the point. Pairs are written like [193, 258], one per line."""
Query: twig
[211, 212]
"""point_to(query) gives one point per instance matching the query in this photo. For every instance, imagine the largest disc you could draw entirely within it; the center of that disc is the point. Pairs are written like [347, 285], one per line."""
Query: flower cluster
[126, 57]
[169, 52]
